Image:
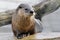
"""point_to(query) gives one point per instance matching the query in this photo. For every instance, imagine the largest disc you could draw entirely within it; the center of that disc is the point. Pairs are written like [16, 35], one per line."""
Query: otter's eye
[20, 7]
[26, 9]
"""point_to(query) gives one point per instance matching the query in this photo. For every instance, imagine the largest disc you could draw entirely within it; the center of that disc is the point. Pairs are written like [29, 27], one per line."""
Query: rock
[44, 36]
[46, 7]
[5, 17]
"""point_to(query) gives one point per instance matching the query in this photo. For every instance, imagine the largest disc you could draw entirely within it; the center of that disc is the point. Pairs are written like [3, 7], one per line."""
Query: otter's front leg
[23, 34]
[17, 34]
[32, 31]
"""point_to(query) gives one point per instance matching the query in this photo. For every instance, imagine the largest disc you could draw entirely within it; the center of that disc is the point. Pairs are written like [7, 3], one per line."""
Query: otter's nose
[31, 12]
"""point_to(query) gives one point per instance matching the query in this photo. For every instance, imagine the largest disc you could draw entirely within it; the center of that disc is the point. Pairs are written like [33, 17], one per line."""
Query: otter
[23, 22]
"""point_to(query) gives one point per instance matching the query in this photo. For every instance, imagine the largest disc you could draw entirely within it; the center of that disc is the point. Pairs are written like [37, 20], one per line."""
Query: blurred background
[50, 22]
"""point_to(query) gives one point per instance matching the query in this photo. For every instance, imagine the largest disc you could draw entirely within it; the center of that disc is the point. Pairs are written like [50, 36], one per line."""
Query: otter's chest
[22, 24]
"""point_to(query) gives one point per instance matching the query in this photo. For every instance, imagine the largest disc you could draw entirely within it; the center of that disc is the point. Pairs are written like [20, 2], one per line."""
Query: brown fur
[22, 23]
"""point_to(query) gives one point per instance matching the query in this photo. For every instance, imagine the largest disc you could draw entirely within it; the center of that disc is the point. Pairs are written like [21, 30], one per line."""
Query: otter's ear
[19, 7]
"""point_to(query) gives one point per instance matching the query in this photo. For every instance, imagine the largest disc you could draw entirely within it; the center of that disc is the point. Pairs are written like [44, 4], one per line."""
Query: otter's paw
[20, 36]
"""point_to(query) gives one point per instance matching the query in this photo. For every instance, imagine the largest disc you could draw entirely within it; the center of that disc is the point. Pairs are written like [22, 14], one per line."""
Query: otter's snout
[31, 12]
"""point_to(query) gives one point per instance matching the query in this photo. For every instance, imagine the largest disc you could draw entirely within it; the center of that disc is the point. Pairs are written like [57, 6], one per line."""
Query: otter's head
[25, 10]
